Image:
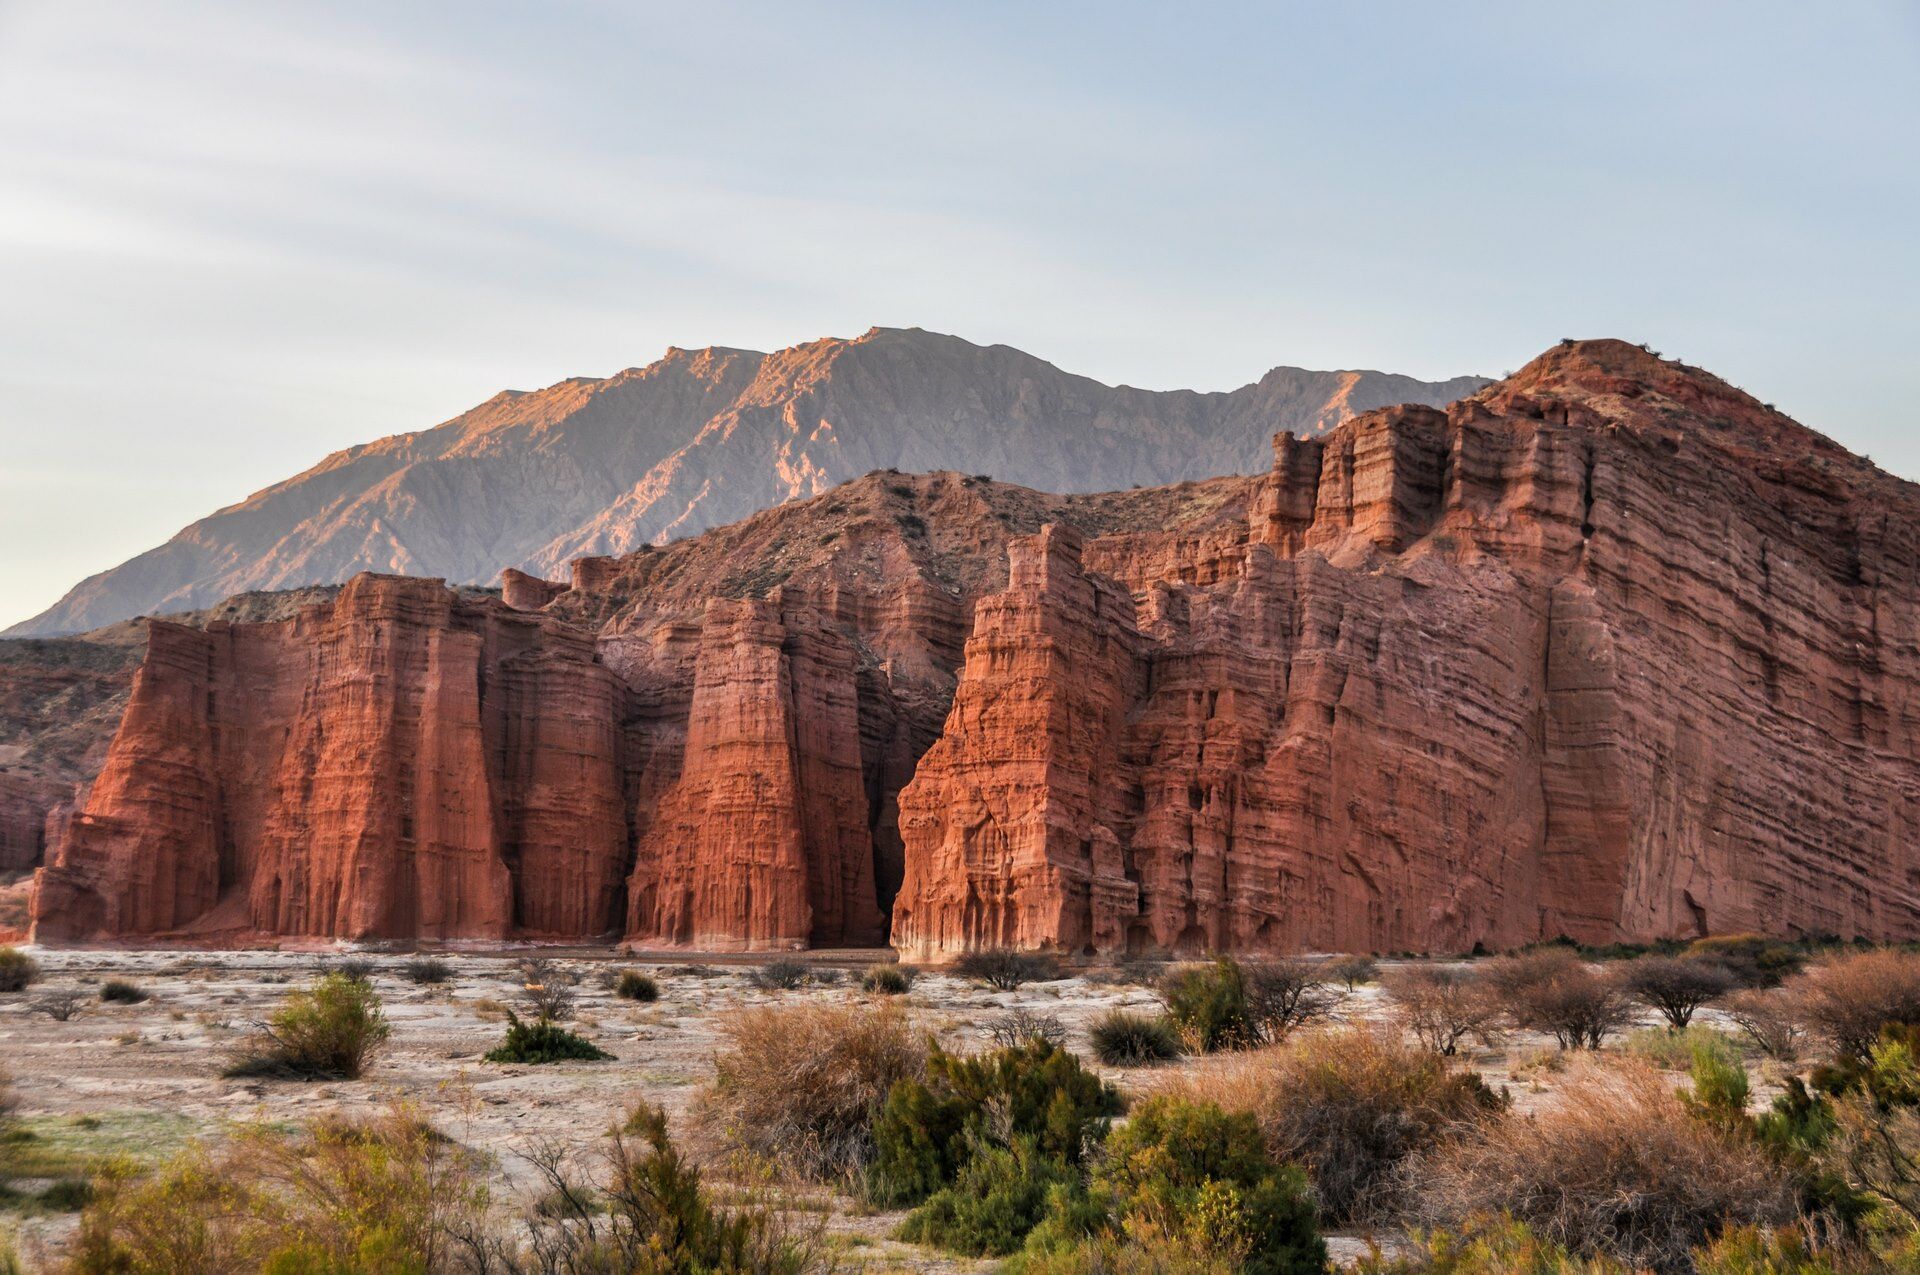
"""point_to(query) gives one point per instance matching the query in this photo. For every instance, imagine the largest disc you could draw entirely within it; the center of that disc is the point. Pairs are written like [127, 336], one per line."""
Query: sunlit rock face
[1606, 650]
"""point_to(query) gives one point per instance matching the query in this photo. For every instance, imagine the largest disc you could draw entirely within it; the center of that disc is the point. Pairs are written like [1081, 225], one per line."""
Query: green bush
[1485, 1246]
[1672, 1050]
[635, 986]
[326, 1032]
[1037, 1092]
[1121, 1038]
[120, 992]
[1754, 959]
[1211, 1006]
[1202, 1176]
[1759, 1250]
[543, 1041]
[888, 980]
[17, 970]
[999, 1195]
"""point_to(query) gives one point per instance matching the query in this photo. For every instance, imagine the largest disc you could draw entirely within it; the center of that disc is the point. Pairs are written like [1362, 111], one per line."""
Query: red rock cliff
[1607, 650]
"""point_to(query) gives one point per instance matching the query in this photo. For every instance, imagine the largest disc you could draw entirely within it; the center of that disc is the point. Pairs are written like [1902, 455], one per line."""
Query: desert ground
[144, 1080]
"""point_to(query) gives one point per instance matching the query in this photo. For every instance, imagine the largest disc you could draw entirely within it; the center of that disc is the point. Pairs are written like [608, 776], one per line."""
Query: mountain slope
[702, 438]
[1609, 650]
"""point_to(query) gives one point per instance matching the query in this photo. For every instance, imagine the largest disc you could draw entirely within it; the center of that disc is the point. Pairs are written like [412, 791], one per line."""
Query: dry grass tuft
[1349, 1105]
[1848, 1000]
[1619, 1168]
[802, 1084]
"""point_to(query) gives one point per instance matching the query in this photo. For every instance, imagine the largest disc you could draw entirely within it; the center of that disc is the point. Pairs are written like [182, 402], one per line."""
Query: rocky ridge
[699, 439]
[1607, 649]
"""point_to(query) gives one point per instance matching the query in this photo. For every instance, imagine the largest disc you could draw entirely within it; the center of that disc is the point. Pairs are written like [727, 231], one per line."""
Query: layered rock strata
[1607, 650]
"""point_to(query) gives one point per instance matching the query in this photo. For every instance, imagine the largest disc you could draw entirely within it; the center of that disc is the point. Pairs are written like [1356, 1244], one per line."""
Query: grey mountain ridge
[700, 438]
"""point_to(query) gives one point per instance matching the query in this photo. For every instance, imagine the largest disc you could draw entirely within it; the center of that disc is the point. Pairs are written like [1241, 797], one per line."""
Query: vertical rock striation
[1607, 650]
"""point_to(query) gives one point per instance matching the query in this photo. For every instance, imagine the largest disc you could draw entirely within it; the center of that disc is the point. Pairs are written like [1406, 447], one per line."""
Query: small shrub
[1122, 1038]
[1770, 1019]
[1285, 995]
[1210, 1006]
[8, 1098]
[778, 976]
[1007, 968]
[120, 992]
[1351, 1106]
[929, 1129]
[651, 1212]
[59, 1005]
[1351, 971]
[546, 988]
[803, 1084]
[1850, 1000]
[998, 1196]
[326, 1032]
[1676, 986]
[1553, 991]
[1192, 1170]
[1015, 1028]
[17, 970]
[543, 1041]
[357, 968]
[635, 986]
[1621, 1170]
[1754, 959]
[1672, 1050]
[1485, 1246]
[427, 971]
[489, 1010]
[1444, 1006]
[390, 1194]
[888, 980]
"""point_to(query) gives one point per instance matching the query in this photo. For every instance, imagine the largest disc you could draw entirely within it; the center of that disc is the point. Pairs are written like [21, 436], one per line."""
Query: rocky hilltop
[1607, 650]
[702, 438]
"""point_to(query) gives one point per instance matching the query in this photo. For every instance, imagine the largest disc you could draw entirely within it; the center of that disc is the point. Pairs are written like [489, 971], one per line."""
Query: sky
[237, 236]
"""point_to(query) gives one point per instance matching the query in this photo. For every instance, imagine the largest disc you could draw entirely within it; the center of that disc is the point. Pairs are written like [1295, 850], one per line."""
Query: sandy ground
[144, 1079]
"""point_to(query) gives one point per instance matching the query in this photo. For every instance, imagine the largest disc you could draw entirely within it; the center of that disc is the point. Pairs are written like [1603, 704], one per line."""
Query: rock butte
[1606, 650]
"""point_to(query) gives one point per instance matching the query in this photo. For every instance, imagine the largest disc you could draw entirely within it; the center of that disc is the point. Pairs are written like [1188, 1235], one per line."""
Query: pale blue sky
[234, 237]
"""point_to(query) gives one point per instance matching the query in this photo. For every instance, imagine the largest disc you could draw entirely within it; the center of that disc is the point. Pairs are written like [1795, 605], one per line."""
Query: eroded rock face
[1607, 650]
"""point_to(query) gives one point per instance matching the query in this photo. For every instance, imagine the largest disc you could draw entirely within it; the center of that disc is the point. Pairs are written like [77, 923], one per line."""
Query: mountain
[702, 438]
[1607, 650]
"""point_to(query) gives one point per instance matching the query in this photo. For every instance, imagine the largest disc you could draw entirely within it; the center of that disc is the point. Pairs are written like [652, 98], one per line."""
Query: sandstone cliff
[1607, 650]
[701, 438]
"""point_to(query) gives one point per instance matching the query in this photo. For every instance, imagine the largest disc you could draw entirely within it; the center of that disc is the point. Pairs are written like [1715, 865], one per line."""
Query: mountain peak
[705, 436]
